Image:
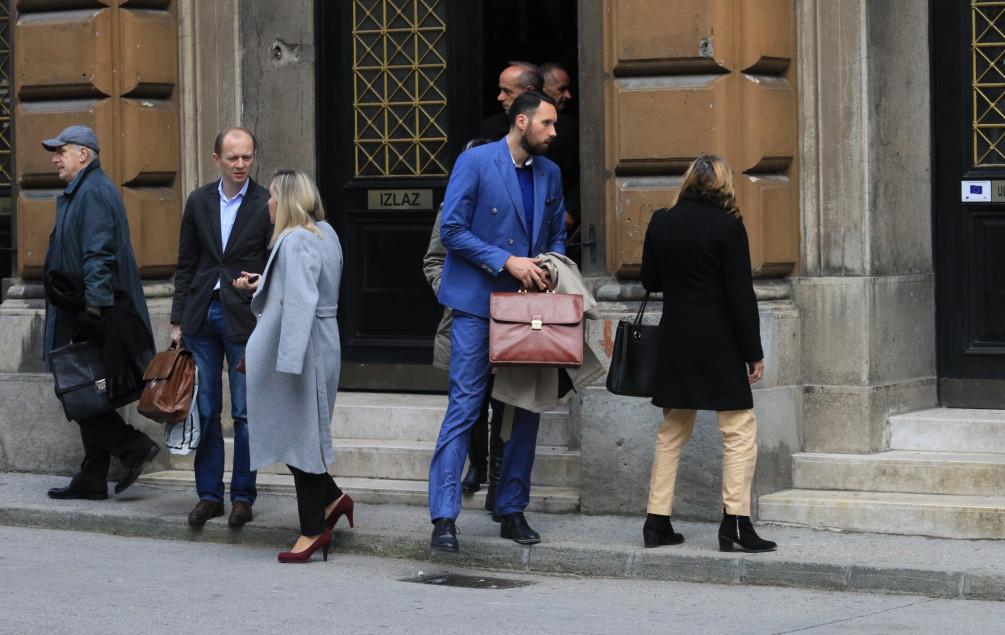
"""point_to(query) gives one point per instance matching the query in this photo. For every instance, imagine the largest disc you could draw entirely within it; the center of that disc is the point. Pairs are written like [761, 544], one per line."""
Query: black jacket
[90, 243]
[202, 260]
[698, 256]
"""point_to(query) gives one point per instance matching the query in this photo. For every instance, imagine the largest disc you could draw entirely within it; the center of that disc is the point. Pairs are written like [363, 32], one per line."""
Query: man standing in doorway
[225, 231]
[492, 246]
[557, 85]
[514, 80]
[90, 245]
[565, 150]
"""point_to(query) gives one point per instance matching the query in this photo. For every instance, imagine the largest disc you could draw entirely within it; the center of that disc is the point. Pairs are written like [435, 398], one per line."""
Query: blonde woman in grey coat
[293, 358]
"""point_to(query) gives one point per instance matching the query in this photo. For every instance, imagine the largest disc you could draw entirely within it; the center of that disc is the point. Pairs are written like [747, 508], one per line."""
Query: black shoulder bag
[81, 384]
[633, 363]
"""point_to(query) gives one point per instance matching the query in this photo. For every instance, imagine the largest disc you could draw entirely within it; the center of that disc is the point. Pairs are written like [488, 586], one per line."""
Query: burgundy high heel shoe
[323, 542]
[344, 507]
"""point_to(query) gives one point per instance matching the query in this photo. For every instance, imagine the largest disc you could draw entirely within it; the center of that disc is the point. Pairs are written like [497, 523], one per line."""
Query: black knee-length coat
[698, 256]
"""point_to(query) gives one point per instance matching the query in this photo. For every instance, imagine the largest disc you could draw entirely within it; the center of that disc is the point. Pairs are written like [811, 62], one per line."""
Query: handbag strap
[642, 310]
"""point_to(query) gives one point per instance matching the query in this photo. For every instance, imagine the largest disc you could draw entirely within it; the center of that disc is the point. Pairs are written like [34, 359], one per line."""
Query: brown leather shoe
[240, 513]
[203, 511]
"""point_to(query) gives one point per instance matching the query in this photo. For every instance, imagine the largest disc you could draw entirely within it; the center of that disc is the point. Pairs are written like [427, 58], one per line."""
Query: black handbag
[81, 385]
[633, 363]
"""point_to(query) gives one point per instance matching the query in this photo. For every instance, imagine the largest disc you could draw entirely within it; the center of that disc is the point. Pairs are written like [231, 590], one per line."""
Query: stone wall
[720, 80]
[111, 66]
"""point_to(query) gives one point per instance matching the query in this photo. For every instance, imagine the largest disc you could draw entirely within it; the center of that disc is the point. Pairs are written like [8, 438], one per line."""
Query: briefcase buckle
[101, 385]
[536, 324]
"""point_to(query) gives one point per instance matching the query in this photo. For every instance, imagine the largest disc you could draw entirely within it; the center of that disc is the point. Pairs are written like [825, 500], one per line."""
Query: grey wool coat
[293, 357]
[432, 267]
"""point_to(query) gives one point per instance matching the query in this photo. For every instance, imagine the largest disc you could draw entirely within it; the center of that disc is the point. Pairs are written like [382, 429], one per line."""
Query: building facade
[850, 125]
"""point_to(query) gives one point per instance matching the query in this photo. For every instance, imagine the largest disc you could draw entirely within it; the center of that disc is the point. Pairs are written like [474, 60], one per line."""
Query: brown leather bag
[536, 329]
[169, 382]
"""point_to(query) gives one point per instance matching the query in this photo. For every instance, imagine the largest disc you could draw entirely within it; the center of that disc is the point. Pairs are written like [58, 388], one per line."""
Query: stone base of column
[34, 434]
[617, 434]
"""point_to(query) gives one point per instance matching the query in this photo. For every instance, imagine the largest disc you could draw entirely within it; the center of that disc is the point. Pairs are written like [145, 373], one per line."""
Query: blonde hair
[298, 203]
[709, 177]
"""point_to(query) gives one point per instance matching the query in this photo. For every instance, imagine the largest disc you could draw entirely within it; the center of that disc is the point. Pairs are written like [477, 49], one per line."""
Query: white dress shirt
[228, 214]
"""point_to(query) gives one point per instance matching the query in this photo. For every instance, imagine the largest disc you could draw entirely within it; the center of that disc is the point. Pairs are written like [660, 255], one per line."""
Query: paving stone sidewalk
[573, 544]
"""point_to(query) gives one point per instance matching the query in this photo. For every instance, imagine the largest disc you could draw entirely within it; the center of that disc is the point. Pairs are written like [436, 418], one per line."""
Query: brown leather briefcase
[536, 329]
[169, 382]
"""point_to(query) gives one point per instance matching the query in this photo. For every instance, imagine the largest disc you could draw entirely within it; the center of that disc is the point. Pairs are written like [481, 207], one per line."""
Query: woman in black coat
[696, 253]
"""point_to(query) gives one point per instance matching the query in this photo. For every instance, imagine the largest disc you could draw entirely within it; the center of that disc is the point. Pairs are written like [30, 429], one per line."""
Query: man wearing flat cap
[90, 245]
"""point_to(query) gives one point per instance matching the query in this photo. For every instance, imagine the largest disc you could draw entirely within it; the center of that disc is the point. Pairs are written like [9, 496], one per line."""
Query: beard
[533, 149]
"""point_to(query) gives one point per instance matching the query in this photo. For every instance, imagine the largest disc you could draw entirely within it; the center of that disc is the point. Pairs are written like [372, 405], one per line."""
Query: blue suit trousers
[469, 381]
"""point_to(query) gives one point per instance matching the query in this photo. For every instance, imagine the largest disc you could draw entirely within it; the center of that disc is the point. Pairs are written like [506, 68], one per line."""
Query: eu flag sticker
[976, 192]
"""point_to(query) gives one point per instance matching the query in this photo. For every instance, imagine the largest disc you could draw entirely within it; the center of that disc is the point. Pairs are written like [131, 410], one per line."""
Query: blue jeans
[469, 383]
[209, 345]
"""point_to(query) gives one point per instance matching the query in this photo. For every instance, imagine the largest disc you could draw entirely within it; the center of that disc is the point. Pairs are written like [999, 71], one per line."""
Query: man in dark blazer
[514, 80]
[503, 207]
[565, 150]
[90, 243]
[225, 231]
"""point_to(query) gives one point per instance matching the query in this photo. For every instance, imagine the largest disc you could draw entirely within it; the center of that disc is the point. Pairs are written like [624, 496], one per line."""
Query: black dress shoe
[240, 514]
[473, 480]
[134, 467]
[73, 492]
[515, 527]
[203, 511]
[444, 536]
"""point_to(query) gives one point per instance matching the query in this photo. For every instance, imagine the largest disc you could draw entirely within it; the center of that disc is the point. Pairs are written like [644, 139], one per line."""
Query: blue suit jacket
[484, 224]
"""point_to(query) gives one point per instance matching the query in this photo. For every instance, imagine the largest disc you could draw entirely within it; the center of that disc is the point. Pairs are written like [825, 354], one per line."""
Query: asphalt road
[57, 582]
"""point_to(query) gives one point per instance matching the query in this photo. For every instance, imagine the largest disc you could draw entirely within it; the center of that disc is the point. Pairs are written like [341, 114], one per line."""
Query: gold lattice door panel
[6, 133]
[988, 51]
[399, 80]
[111, 66]
[722, 81]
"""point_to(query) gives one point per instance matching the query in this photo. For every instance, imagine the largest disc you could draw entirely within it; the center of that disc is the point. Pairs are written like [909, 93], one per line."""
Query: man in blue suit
[503, 208]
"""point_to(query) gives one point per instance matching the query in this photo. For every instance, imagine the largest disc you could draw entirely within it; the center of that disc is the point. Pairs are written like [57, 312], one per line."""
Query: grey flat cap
[80, 135]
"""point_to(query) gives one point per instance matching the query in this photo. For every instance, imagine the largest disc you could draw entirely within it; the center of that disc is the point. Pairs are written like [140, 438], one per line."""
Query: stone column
[211, 83]
[276, 49]
[866, 287]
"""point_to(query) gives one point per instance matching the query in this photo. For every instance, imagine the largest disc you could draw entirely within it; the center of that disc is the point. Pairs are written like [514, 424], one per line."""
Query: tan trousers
[739, 457]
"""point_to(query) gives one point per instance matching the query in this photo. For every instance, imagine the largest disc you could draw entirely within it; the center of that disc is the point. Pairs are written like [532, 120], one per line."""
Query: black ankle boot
[739, 531]
[658, 531]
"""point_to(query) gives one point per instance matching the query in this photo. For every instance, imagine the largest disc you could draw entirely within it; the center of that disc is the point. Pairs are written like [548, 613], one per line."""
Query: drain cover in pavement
[468, 581]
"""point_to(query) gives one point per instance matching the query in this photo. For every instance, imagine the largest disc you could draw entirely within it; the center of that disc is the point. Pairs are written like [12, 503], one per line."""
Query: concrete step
[409, 417]
[409, 460]
[949, 430]
[888, 513]
[556, 500]
[953, 473]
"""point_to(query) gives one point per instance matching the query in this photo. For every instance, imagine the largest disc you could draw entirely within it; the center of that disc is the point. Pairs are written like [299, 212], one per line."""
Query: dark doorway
[968, 97]
[401, 87]
[535, 31]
